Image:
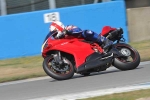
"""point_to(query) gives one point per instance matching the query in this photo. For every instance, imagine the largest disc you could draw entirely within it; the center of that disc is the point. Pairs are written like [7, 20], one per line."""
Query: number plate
[49, 17]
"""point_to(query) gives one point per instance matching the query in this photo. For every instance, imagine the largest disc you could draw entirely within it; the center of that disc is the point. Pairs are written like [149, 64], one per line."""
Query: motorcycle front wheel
[130, 59]
[58, 72]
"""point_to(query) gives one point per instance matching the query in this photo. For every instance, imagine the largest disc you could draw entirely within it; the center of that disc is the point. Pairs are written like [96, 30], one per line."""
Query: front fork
[58, 58]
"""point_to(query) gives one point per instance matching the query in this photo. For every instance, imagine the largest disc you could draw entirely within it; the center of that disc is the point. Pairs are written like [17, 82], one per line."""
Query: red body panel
[80, 50]
[106, 30]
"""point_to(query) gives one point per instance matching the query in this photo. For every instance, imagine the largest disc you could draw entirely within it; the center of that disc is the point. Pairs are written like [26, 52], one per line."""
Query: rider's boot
[104, 42]
[107, 43]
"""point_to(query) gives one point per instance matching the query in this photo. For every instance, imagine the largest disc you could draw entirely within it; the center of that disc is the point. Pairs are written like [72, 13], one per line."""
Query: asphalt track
[32, 89]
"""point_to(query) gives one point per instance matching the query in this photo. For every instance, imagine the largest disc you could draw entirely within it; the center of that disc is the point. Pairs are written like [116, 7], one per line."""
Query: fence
[19, 6]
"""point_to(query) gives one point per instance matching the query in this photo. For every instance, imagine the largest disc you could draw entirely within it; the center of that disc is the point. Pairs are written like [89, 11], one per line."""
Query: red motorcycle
[73, 54]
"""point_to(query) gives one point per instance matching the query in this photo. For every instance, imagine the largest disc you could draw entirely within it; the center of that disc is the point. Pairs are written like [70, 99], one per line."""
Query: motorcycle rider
[59, 28]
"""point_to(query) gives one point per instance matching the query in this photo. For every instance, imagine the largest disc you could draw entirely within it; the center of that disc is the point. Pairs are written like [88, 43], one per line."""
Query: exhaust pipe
[95, 63]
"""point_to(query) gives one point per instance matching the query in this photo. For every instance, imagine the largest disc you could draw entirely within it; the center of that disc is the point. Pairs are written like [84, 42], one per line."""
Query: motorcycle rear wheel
[55, 72]
[126, 63]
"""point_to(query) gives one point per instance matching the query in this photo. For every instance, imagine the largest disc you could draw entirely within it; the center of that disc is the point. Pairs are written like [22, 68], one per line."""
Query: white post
[82, 2]
[95, 1]
[32, 5]
[3, 7]
[52, 4]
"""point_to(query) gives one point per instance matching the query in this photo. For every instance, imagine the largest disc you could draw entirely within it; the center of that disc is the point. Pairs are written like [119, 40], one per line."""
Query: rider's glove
[65, 32]
[61, 34]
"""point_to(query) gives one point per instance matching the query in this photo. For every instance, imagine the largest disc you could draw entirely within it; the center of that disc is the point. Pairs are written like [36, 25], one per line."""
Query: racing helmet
[57, 26]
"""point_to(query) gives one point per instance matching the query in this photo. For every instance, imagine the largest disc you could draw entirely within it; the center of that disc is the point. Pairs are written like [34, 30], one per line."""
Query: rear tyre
[58, 72]
[131, 59]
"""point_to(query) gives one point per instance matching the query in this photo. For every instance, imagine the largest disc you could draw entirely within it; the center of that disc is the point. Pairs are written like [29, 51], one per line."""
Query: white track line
[88, 94]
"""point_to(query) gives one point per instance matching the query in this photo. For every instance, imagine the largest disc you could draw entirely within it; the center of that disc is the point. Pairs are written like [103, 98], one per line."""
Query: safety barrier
[23, 34]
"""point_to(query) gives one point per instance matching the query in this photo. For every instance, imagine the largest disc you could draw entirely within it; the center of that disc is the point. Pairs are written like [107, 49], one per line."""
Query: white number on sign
[49, 17]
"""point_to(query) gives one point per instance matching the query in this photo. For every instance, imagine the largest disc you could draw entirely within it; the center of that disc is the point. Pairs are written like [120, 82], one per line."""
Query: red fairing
[106, 30]
[80, 50]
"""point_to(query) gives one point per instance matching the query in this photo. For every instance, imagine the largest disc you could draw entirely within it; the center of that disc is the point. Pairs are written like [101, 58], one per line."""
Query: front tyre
[55, 71]
[130, 60]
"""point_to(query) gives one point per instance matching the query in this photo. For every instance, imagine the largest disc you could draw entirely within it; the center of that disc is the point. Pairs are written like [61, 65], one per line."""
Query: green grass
[134, 95]
[21, 68]
[143, 48]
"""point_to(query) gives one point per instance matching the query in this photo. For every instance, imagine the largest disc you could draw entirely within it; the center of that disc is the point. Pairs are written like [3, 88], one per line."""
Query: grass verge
[21, 68]
[143, 48]
[134, 95]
